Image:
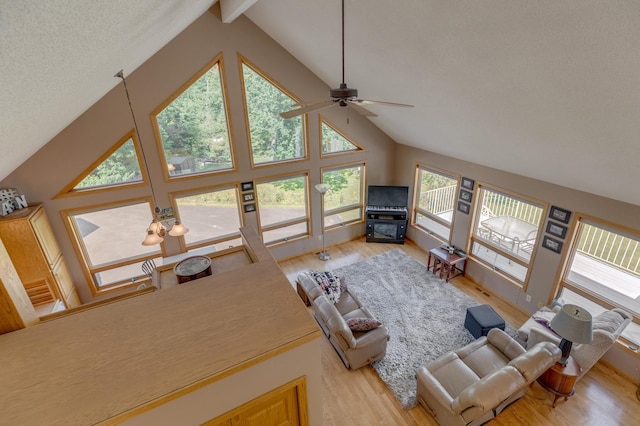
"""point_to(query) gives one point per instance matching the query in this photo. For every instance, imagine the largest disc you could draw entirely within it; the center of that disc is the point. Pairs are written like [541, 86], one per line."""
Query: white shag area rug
[424, 315]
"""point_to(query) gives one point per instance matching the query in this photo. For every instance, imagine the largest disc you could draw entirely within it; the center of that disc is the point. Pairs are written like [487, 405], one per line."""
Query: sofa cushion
[608, 321]
[363, 323]
[544, 318]
[454, 375]
[347, 303]
[485, 360]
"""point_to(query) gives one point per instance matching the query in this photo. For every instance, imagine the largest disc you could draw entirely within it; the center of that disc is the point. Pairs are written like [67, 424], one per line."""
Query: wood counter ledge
[123, 358]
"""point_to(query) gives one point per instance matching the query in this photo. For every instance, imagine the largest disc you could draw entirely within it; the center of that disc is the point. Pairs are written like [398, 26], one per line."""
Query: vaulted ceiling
[546, 89]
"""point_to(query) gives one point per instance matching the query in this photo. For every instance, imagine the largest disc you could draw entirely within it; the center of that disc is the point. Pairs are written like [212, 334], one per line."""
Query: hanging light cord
[342, 41]
[120, 74]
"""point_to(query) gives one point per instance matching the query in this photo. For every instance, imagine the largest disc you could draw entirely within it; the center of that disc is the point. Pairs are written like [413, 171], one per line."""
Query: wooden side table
[560, 380]
[449, 265]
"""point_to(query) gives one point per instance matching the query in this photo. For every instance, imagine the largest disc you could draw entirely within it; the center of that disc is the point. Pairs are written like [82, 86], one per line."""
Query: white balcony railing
[439, 200]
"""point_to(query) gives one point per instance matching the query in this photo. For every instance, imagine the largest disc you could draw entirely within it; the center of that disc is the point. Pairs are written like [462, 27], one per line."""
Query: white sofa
[355, 348]
[473, 384]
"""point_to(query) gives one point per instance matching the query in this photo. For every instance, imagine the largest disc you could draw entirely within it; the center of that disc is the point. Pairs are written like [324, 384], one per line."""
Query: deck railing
[500, 205]
[439, 200]
[611, 248]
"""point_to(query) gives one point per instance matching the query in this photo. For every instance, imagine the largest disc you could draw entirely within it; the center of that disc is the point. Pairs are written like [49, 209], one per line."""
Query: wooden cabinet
[36, 256]
[16, 310]
[285, 405]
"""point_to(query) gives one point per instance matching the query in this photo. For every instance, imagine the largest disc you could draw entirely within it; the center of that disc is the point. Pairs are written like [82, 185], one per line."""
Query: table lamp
[573, 324]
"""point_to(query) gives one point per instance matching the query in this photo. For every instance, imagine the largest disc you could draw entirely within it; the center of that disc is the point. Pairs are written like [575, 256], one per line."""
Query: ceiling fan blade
[393, 104]
[308, 108]
[303, 104]
[361, 110]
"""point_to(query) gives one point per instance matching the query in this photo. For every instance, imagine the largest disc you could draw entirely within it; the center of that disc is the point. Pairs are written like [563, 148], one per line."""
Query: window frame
[337, 210]
[217, 60]
[420, 167]
[242, 60]
[576, 226]
[184, 247]
[88, 269]
[288, 222]
[478, 195]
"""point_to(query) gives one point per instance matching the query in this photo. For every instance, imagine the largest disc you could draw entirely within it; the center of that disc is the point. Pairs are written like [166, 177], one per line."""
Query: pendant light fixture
[156, 231]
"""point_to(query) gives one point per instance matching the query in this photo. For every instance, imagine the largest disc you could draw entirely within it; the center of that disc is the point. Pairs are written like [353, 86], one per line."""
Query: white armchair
[606, 328]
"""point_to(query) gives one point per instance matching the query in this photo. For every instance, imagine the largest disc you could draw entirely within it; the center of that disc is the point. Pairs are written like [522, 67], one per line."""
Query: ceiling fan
[343, 96]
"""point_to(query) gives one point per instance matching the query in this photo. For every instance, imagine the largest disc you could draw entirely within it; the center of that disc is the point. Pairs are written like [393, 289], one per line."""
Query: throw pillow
[363, 324]
[329, 283]
[544, 318]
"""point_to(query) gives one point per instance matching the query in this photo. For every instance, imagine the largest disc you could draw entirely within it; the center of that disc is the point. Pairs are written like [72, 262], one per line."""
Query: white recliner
[607, 327]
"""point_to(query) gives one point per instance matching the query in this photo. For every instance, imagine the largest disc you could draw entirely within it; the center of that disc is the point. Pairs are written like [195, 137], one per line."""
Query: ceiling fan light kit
[343, 96]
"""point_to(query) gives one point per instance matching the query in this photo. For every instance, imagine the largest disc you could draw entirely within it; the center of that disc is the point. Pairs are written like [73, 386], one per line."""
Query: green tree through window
[193, 128]
[344, 203]
[333, 142]
[120, 167]
[272, 137]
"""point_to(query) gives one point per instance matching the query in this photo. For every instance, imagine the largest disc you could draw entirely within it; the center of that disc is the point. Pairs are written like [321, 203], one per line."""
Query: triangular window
[193, 125]
[273, 138]
[117, 167]
[334, 142]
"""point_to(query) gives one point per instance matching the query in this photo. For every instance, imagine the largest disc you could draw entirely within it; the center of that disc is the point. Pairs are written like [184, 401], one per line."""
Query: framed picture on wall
[247, 186]
[248, 197]
[466, 195]
[467, 183]
[556, 229]
[552, 244]
[464, 207]
[249, 208]
[561, 215]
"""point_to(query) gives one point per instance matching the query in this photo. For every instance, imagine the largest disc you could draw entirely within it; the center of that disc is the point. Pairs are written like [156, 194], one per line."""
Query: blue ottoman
[481, 319]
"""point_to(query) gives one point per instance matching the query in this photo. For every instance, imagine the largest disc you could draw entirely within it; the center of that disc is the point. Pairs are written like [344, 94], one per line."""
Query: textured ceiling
[544, 89]
[58, 57]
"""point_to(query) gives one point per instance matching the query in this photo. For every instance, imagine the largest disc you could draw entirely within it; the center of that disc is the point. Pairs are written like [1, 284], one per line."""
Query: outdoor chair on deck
[149, 269]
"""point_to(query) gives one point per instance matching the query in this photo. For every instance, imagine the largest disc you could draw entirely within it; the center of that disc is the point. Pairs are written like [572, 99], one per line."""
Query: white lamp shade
[178, 229]
[155, 233]
[152, 238]
[322, 188]
[573, 323]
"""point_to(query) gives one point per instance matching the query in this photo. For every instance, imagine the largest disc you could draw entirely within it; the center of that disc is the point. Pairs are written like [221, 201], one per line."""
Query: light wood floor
[602, 396]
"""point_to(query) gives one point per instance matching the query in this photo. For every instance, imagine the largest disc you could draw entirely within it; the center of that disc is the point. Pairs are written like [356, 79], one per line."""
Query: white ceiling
[544, 89]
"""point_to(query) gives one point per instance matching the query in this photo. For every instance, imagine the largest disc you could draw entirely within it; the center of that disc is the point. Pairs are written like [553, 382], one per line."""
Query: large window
[603, 271]
[213, 217]
[109, 240]
[505, 232]
[435, 197]
[283, 208]
[273, 138]
[192, 126]
[344, 203]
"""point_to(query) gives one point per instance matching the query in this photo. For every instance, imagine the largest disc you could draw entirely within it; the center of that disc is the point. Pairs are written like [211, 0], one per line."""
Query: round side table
[192, 268]
[561, 379]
